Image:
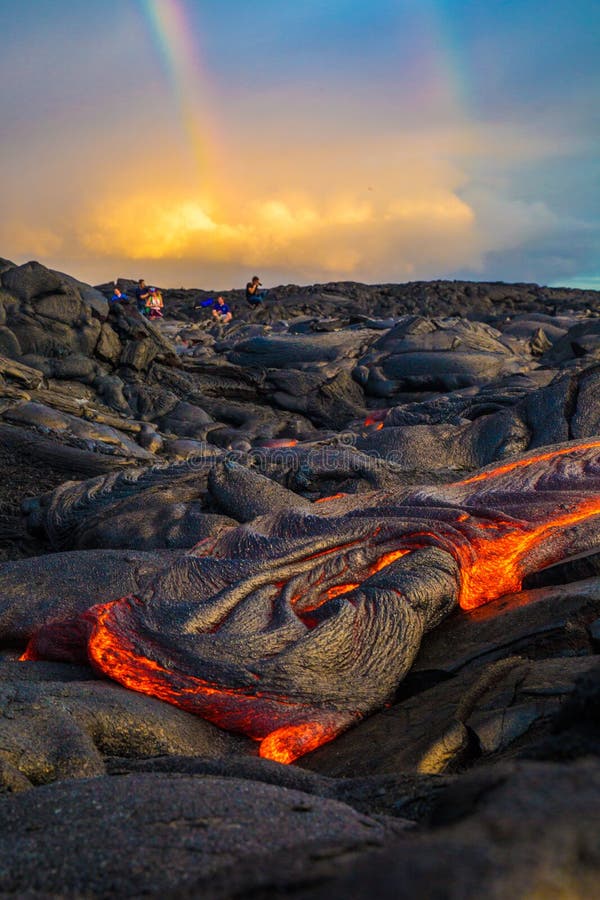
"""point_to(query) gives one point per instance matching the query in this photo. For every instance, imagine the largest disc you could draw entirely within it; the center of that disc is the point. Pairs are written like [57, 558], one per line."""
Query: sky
[199, 142]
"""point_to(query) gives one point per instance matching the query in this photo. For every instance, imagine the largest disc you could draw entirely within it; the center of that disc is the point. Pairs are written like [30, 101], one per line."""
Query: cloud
[375, 209]
[338, 235]
[21, 240]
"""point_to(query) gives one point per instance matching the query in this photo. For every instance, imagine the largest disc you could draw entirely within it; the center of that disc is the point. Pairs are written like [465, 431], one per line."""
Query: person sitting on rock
[118, 296]
[155, 304]
[253, 296]
[221, 312]
[142, 295]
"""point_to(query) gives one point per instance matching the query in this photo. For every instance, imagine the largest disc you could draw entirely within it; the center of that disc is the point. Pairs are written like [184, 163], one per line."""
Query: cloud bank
[385, 211]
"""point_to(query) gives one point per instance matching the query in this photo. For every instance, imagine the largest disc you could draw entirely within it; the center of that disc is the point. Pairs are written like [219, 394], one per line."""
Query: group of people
[149, 300]
[222, 312]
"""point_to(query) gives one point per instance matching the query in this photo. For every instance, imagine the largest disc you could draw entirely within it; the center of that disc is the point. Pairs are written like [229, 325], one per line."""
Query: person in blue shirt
[142, 295]
[118, 296]
[220, 310]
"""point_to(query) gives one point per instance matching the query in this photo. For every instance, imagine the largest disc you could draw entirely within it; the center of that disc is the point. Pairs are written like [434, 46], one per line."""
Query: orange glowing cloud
[376, 209]
[340, 232]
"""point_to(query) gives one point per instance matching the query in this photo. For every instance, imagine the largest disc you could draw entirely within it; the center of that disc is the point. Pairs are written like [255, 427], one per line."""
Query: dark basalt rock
[491, 302]
[430, 354]
[515, 831]
[46, 588]
[566, 407]
[290, 352]
[204, 827]
[483, 713]
[508, 830]
[79, 433]
[54, 730]
[575, 729]
[90, 296]
[31, 280]
[581, 340]
[74, 513]
[549, 621]
[9, 343]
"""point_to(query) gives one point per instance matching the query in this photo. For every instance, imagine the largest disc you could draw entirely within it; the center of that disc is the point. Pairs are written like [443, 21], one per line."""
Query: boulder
[205, 828]
[108, 348]
[31, 280]
[65, 308]
[297, 352]
[42, 589]
[6, 264]
[91, 297]
[186, 420]
[9, 343]
[53, 730]
[421, 354]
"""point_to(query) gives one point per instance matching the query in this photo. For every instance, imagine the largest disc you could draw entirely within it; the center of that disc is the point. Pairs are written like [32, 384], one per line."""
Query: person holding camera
[254, 297]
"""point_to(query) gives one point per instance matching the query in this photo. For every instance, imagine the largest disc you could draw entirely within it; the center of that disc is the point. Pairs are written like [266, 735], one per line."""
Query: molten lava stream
[304, 610]
[529, 461]
[376, 417]
[287, 744]
[493, 551]
[497, 565]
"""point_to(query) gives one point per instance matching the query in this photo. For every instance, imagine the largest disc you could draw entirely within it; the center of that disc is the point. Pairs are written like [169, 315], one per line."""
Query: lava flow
[293, 630]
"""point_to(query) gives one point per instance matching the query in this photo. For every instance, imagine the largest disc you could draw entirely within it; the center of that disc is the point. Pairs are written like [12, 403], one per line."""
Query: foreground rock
[52, 729]
[43, 589]
[157, 834]
[523, 830]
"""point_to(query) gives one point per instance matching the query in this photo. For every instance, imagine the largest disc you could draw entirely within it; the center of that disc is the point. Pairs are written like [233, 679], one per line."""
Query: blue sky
[382, 141]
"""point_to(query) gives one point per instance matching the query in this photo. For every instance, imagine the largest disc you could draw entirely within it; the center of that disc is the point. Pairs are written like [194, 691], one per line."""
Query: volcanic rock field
[307, 604]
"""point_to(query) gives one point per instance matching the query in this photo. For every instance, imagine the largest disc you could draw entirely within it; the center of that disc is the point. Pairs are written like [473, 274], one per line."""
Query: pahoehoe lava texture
[295, 626]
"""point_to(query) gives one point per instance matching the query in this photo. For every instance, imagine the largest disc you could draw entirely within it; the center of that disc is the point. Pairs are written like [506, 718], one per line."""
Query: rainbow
[452, 61]
[437, 67]
[177, 43]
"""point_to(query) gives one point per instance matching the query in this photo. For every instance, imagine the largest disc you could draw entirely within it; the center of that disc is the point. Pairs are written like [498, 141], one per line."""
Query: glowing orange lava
[496, 565]
[333, 497]
[340, 589]
[525, 463]
[290, 742]
[377, 415]
[387, 560]
[276, 443]
[493, 552]
[243, 709]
